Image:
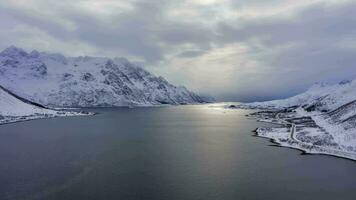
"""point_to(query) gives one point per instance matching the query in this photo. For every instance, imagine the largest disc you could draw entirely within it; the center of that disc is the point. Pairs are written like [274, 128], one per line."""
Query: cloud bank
[244, 50]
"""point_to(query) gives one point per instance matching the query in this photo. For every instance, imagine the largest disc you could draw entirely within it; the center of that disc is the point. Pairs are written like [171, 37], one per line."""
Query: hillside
[320, 120]
[14, 108]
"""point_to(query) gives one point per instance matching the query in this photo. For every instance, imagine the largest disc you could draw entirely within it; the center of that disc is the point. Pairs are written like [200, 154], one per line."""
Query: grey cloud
[311, 50]
[191, 54]
[143, 32]
[317, 42]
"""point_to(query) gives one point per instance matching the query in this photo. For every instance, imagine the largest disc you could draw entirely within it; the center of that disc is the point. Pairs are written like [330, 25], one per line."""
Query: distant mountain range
[58, 81]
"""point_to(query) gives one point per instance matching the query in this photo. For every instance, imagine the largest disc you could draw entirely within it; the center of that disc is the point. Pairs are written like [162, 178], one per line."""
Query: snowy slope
[14, 109]
[12, 106]
[341, 123]
[56, 80]
[344, 114]
[321, 97]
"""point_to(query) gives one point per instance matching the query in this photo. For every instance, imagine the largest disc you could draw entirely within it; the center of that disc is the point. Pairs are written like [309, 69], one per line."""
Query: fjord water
[180, 152]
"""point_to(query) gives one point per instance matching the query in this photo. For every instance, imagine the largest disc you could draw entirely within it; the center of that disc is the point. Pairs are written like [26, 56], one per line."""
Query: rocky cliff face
[56, 80]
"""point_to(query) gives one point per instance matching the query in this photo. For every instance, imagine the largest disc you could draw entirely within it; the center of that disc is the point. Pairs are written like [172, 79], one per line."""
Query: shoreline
[303, 151]
[19, 119]
[295, 130]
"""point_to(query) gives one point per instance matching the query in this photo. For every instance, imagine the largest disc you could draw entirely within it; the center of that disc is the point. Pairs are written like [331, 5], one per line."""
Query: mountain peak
[344, 82]
[320, 84]
[34, 54]
[13, 51]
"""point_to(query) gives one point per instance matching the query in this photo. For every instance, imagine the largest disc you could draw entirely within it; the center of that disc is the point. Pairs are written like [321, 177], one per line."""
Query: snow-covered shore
[304, 134]
[321, 120]
[13, 119]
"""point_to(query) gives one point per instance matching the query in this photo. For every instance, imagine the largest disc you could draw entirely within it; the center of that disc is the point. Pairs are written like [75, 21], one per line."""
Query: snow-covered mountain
[59, 81]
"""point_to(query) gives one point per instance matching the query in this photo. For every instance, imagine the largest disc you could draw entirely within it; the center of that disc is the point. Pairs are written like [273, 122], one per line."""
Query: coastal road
[293, 127]
[329, 151]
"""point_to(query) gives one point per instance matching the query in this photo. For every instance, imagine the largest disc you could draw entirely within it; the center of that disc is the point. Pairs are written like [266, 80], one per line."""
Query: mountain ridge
[52, 79]
[322, 96]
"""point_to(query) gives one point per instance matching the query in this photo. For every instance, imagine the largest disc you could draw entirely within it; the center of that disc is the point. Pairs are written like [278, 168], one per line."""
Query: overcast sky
[242, 50]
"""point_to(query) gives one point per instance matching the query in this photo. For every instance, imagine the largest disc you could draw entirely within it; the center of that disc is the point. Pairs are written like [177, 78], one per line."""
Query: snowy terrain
[58, 81]
[14, 108]
[320, 97]
[321, 120]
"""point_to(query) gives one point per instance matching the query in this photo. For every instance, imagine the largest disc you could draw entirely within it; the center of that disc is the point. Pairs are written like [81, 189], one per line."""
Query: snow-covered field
[321, 120]
[14, 109]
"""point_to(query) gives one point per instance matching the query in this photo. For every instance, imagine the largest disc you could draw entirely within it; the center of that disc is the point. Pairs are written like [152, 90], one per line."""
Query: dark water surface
[183, 152]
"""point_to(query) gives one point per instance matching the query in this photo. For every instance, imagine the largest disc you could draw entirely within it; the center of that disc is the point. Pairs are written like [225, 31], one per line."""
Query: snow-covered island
[321, 120]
